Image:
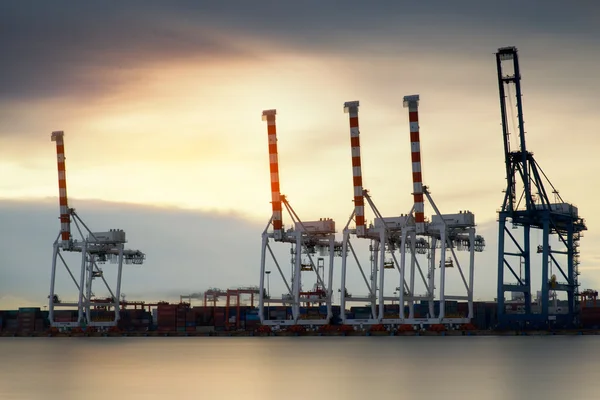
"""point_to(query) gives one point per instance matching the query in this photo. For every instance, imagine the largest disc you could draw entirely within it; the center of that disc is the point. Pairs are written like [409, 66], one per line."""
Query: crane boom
[412, 102]
[269, 116]
[351, 107]
[65, 216]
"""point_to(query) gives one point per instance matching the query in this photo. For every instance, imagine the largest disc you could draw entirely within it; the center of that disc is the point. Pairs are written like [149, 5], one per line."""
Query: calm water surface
[300, 368]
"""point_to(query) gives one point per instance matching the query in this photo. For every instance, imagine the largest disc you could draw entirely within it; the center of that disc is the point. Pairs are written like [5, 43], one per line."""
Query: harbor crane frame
[95, 248]
[445, 231]
[554, 219]
[230, 304]
[383, 236]
[407, 234]
[306, 238]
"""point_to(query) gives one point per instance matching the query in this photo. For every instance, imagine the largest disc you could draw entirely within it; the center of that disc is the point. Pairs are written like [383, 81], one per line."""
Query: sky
[161, 108]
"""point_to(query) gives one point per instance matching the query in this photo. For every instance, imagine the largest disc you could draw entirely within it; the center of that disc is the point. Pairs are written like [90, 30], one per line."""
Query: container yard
[183, 319]
[416, 252]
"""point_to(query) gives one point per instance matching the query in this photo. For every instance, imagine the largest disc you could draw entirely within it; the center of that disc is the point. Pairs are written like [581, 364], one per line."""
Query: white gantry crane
[308, 239]
[96, 248]
[384, 236]
[447, 232]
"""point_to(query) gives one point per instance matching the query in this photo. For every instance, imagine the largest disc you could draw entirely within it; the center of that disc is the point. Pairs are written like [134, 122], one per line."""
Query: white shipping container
[112, 236]
[466, 218]
[321, 226]
[391, 222]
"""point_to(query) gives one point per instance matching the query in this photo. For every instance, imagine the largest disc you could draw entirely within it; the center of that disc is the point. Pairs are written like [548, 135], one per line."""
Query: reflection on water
[300, 368]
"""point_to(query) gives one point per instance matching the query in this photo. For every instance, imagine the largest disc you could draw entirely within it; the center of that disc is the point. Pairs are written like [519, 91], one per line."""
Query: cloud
[162, 105]
[50, 51]
[87, 49]
[187, 252]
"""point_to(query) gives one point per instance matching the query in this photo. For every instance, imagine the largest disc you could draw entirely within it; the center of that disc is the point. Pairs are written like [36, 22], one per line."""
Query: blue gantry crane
[527, 206]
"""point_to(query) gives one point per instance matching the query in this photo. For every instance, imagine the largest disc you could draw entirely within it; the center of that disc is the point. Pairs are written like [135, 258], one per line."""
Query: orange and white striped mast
[351, 107]
[412, 102]
[65, 216]
[269, 116]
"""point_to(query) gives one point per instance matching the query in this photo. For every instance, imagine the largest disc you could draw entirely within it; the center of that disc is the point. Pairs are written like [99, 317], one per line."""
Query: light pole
[268, 296]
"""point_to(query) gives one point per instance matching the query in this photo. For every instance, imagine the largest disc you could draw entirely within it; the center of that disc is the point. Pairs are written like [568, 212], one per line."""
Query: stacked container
[280, 312]
[590, 317]
[181, 314]
[252, 319]
[336, 310]
[479, 315]
[190, 320]
[391, 310]
[65, 315]
[203, 316]
[166, 317]
[134, 320]
[450, 308]
[463, 309]
[11, 323]
[103, 316]
[314, 313]
[491, 315]
[219, 318]
[361, 312]
[27, 319]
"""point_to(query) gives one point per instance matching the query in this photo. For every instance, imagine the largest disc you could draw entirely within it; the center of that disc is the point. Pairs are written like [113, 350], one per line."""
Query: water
[347, 368]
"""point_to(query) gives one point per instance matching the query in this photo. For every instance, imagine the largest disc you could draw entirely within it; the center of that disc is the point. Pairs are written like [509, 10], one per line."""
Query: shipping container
[29, 310]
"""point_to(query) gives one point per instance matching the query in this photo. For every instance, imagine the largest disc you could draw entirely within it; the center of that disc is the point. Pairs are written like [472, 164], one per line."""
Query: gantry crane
[236, 304]
[306, 238]
[383, 236]
[190, 297]
[588, 295]
[448, 232]
[212, 296]
[527, 205]
[95, 248]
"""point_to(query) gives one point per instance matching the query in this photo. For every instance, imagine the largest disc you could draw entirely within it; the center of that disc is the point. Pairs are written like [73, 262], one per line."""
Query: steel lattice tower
[527, 205]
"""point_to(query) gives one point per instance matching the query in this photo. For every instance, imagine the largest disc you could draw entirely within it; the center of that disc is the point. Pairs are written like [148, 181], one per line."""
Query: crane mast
[527, 205]
[412, 102]
[351, 107]
[269, 116]
[65, 214]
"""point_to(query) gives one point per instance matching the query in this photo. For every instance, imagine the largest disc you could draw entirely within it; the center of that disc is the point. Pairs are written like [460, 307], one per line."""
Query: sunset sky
[161, 107]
